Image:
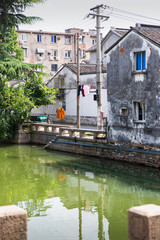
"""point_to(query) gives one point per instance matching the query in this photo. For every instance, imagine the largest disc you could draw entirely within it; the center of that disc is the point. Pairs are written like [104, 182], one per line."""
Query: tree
[11, 12]
[16, 101]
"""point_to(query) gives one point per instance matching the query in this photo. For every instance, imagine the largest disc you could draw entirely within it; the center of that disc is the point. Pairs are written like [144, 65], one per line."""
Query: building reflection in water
[73, 197]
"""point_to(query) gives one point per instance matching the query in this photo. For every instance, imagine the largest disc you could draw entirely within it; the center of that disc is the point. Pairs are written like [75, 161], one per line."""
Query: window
[40, 54]
[67, 40]
[39, 38]
[82, 53]
[53, 67]
[140, 59]
[53, 53]
[124, 112]
[25, 52]
[24, 37]
[83, 39]
[53, 39]
[67, 54]
[139, 111]
[93, 41]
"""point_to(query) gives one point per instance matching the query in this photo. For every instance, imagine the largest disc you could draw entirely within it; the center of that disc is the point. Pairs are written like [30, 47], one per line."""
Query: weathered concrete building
[133, 86]
[52, 49]
[66, 81]
[110, 38]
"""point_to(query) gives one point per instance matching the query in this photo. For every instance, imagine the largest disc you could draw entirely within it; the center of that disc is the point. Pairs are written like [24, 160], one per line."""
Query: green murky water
[73, 197]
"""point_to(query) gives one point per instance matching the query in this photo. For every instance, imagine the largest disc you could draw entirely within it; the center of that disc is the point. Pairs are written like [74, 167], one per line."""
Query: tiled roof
[151, 34]
[92, 49]
[84, 68]
[119, 31]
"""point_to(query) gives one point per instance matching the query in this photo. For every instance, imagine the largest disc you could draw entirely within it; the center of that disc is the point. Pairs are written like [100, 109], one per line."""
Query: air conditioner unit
[56, 58]
[39, 58]
[51, 58]
[21, 42]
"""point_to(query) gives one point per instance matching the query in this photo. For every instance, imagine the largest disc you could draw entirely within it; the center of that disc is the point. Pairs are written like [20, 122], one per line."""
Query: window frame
[53, 39]
[52, 67]
[67, 54]
[53, 53]
[140, 61]
[24, 37]
[139, 112]
[25, 52]
[68, 40]
[93, 42]
[39, 37]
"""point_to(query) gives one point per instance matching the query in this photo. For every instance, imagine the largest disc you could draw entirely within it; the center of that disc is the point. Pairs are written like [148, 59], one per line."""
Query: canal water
[73, 197]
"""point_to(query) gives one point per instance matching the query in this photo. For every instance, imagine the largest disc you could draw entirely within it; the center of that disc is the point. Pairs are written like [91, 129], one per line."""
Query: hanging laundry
[60, 113]
[86, 89]
[82, 89]
[79, 90]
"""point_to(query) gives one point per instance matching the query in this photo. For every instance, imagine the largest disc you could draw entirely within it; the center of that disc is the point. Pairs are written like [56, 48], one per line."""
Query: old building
[66, 81]
[110, 38]
[52, 49]
[133, 86]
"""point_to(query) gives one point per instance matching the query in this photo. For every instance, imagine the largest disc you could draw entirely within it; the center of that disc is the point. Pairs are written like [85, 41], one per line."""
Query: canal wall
[86, 142]
[120, 153]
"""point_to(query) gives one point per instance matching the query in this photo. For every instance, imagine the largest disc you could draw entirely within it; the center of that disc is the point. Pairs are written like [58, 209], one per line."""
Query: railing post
[144, 222]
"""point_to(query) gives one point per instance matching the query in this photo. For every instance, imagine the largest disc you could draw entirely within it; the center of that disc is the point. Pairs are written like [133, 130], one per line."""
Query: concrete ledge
[144, 222]
[13, 223]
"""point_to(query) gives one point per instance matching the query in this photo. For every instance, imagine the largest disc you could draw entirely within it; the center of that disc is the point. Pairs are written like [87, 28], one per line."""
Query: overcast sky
[59, 15]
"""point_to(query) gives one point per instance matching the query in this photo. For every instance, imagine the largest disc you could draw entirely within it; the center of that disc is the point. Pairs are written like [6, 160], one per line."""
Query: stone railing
[82, 133]
[42, 127]
[65, 131]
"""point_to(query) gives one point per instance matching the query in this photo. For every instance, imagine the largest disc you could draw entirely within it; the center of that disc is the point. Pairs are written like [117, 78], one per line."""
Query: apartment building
[53, 49]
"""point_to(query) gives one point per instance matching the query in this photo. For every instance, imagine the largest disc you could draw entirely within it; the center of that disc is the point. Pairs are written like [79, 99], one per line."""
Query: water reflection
[73, 197]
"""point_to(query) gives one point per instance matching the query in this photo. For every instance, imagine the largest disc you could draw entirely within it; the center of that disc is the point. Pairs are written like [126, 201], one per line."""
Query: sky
[59, 15]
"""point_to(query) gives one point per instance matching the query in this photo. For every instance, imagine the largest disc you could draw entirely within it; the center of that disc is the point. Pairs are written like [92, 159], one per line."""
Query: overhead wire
[134, 14]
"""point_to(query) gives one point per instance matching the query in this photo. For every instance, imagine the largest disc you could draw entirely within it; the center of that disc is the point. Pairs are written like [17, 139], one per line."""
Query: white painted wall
[88, 107]
[109, 41]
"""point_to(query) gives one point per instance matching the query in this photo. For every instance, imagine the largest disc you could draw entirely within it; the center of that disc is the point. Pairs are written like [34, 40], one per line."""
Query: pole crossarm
[98, 15]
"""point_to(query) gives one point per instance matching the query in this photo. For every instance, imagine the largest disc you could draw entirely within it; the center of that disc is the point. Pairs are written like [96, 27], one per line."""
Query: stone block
[144, 222]
[13, 223]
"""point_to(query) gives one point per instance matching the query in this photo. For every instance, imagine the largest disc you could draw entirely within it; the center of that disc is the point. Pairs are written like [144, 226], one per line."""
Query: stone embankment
[87, 142]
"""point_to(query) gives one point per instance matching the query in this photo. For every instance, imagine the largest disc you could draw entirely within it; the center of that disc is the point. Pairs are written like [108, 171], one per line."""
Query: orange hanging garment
[60, 113]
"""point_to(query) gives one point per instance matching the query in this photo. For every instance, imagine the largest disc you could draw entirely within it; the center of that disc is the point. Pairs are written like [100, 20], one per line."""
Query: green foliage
[16, 101]
[11, 12]
[39, 93]
[14, 107]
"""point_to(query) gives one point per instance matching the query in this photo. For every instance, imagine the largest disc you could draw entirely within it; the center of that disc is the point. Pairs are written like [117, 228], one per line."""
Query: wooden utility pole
[96, 13]
[78, 84]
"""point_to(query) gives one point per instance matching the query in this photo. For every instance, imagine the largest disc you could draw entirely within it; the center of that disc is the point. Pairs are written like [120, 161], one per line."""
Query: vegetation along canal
[73, 197]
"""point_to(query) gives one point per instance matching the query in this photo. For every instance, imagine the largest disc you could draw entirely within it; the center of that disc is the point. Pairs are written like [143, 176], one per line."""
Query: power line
[123, 13]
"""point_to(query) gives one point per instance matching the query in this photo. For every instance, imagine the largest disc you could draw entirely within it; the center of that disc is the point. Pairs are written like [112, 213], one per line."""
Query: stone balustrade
[82, 133]
[65, 131]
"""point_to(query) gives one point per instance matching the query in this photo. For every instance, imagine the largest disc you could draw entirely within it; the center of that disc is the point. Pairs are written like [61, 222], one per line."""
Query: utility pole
[96, 13]
[78, 84]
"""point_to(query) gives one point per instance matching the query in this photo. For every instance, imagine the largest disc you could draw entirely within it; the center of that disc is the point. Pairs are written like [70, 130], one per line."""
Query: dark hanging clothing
[82, 89]
[79, 90]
